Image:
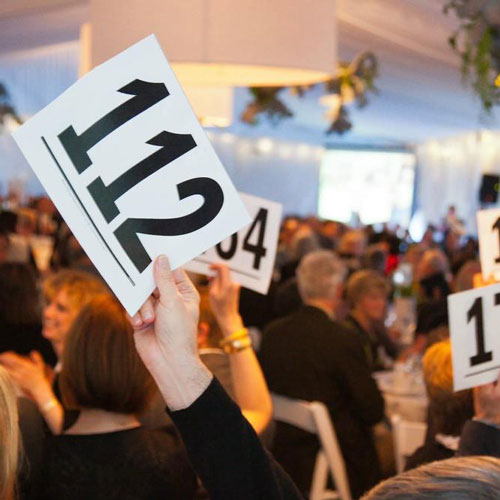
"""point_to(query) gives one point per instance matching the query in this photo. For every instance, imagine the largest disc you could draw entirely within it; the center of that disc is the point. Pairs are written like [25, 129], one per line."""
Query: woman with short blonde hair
[9, 437]
[367, 292]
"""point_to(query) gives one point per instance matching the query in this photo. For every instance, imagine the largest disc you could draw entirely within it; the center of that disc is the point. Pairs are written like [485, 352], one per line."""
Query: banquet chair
[407, 437]
[314, 418]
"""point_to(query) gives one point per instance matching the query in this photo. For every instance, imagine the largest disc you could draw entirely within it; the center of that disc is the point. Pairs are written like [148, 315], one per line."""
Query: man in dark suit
[307, 355]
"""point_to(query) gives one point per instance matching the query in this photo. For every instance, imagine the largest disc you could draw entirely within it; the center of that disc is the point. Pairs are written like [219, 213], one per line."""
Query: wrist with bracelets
[236, 342]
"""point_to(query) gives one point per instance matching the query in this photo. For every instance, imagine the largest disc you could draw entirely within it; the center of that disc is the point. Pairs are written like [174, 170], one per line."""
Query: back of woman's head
[464, 478]
[448, 410]
[101, 368]
[18, 295]
[9, 437]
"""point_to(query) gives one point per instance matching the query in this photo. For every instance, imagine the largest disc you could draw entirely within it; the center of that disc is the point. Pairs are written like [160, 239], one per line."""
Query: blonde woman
[9, 437]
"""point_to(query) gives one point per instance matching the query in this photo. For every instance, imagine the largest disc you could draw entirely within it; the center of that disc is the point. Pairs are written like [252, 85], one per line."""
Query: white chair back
[314, 418]
[407, 437]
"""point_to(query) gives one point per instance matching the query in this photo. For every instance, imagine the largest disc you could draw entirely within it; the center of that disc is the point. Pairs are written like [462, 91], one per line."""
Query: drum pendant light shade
[225, 42]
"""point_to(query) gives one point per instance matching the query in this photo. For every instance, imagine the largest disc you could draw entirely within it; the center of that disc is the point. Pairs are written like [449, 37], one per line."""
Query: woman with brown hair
[106, 453]
[9, 438]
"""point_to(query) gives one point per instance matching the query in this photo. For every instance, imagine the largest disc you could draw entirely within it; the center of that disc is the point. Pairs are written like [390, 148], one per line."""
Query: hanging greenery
[352, 83]
[477, 41]
[6, 107]
[265, 100]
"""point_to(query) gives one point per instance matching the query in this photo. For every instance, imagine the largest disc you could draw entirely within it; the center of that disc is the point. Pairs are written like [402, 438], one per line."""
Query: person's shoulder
[280, 324]
[160, 451]
[429, 452]
[346, 336]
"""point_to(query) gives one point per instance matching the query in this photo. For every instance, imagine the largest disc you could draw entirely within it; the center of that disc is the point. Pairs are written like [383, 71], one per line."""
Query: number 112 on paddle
[474, 318]
[132, 172]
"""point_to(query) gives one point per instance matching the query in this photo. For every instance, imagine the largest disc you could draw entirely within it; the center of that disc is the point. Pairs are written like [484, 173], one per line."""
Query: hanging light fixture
[212, 105]
[225, 42]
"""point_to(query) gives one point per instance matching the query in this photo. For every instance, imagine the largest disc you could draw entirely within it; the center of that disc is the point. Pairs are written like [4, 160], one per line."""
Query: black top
[134, 464]
[427, 453]
[227, 454]
[479, 439]
[308, 356]
[26, 338]
[372, 341]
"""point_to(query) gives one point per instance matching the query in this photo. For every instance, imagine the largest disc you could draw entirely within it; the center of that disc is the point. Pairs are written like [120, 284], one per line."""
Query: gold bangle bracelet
[236, 345]
[238, 334]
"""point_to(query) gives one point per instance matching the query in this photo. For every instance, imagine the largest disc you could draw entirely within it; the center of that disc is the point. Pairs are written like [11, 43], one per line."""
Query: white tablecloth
[404, 395]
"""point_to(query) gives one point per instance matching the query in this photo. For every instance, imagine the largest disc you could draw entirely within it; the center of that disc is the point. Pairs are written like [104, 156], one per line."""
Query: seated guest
[464, 278]
[432, 308]
[9, 438]
[351, 248]
[432, 276]
[448, 410]
[465, 478]
[106, 453]
[367, 293]
[308, 355]
[375, 257]
[65, 293]
[19, 241]
[481, 435]
[20, 321]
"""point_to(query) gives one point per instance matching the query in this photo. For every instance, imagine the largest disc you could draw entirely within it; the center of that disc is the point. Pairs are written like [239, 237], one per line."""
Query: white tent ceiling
[420, 91]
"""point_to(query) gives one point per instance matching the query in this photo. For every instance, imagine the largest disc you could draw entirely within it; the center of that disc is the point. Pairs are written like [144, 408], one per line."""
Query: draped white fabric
[280, 171]
[450, 174]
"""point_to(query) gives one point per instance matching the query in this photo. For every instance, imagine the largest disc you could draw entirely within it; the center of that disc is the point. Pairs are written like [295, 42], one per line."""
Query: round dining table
[404, 394]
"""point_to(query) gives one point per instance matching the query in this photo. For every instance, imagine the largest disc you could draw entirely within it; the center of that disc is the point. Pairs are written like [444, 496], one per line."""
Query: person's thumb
[164, 279]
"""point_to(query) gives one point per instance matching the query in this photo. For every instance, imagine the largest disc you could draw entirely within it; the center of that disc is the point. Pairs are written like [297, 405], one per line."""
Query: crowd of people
[83, 387]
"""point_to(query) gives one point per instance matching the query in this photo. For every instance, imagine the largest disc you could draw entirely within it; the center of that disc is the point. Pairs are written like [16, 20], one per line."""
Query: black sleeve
[358, 381]
[226, 452]
[479, 439]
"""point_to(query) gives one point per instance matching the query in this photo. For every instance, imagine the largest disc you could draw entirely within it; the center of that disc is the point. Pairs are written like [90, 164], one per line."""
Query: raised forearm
[250, 388]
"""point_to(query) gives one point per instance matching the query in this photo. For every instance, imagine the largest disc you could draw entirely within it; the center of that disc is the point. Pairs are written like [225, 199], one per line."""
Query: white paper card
[474, 318]
[488, 225]
[251, 252]
[129, 167]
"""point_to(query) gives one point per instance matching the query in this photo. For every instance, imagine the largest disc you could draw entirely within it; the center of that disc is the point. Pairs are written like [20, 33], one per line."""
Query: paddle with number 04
[249, 253]
[129, 167]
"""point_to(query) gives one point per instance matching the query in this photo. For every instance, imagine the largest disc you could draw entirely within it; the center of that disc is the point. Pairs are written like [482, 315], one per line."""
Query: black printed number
[258, 249]
[229, 253]
[496, 227]
[476, 313]
[213, 199]
[172, 146]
